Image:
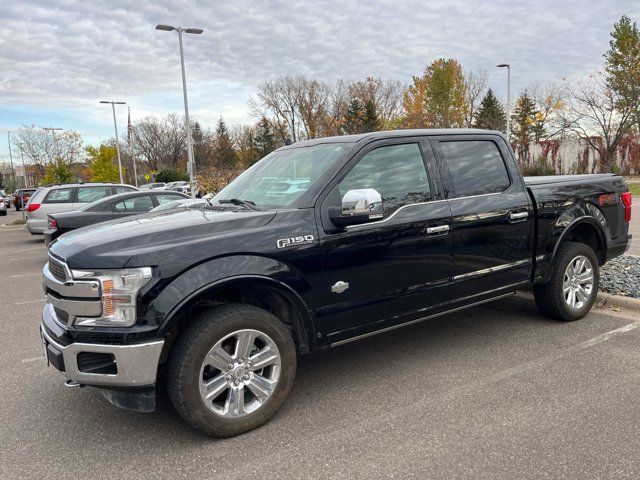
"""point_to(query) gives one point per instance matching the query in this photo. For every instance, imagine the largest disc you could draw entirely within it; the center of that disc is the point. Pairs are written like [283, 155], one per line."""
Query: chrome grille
[63, 316]
[57, 270]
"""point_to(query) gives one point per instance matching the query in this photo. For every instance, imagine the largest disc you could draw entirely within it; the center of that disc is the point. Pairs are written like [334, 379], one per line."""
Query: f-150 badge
[293, 241]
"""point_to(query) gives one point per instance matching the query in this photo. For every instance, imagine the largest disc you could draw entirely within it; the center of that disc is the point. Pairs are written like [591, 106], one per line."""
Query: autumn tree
[548, 104]
[243, 138]
[44, 150]
[491, 114]
[58, 172]
[623, 66]
[437, 98]
[102, 163]
[384, 97]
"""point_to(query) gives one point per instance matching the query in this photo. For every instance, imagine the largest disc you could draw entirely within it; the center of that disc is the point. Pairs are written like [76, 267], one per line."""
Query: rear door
[492, 215]
[395, 269]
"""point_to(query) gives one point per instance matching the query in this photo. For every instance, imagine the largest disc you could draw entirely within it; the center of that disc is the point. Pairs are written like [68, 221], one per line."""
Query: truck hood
[115, 244]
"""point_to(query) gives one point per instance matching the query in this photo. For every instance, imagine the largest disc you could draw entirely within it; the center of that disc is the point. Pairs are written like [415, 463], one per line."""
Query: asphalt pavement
[492, 392]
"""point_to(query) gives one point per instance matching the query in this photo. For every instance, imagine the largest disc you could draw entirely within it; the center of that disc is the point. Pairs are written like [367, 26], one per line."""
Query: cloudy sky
[58, 58]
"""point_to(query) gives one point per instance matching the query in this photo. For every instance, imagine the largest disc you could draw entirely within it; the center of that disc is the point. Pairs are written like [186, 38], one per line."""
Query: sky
[58, 58]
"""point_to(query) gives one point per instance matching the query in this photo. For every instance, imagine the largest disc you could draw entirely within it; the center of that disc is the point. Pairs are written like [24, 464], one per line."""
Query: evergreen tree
[370, 120]
[264, 139]
[224, 152]
[352, 122]
[491, 114]
[523, 119]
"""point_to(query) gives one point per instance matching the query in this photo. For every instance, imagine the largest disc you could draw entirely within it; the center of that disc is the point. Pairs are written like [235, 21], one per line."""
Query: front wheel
[573, 286]
[231, 369]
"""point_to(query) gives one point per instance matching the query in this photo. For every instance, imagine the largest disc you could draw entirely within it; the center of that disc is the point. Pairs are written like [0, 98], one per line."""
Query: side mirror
[358, 206]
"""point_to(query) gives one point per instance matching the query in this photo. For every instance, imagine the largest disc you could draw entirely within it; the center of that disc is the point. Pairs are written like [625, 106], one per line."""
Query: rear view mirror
[358, 206]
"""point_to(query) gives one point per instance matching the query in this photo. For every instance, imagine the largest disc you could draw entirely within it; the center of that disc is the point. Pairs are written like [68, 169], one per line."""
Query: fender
[214, 274]
[580, 213]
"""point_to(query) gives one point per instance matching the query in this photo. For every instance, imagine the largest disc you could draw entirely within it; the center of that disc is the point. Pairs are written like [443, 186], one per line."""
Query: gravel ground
[621, 276]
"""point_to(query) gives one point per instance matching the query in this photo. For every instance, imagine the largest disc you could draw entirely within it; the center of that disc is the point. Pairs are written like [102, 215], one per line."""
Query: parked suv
[4, 202]
[63, 198]
[22, 196]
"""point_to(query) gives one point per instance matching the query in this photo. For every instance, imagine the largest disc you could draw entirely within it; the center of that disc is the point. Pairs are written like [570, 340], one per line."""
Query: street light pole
[191, 166]
[508, 67]
[13, 172]
[24, 180]
[115, 127]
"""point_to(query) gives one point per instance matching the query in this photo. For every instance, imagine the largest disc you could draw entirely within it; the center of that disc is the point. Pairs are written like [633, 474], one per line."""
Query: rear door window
[121, 189]
[475, 167]
[164, 198]
[59, 195]
[91, 194]
[136, 204]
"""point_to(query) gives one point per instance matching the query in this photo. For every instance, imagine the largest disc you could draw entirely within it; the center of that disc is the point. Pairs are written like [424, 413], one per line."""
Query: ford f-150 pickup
[320, 243]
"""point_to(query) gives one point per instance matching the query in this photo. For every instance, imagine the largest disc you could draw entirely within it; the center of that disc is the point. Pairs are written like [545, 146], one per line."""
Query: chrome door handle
[514, 217]
[438, 229]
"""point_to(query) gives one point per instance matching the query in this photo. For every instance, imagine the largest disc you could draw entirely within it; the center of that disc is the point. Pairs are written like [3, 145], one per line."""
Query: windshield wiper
[243, 203]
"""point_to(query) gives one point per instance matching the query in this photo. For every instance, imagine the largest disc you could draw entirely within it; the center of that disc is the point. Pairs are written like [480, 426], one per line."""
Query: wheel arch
[585, 230]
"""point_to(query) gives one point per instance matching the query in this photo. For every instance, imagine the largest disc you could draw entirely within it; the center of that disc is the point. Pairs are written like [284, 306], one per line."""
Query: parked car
[22, 196]
[6, 198]
[4, 203]
[181, 204]
[152, 186]
[392, 228]
[180, 186]
[66, 197]
[116, 206]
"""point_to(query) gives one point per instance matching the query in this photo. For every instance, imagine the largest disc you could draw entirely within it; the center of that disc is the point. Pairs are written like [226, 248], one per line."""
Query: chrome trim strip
[137, 364]
[486, 271]
[422, 319]
[76, 308]
[71, 289]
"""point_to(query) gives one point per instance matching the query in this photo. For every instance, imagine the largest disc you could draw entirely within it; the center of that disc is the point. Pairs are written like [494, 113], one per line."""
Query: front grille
[63, 316]
[57, 270]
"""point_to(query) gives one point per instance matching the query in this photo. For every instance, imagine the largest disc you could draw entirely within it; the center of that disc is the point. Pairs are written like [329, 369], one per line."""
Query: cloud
[66, 54]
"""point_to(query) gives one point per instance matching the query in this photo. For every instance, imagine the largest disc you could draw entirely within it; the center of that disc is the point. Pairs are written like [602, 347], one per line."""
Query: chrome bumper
[136, 364]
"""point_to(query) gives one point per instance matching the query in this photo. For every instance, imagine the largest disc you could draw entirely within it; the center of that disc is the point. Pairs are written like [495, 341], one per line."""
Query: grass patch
[634, 188]
[19, 221]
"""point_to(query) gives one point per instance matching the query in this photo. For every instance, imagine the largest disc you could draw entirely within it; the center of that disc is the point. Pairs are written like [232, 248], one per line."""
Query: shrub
[169, 175]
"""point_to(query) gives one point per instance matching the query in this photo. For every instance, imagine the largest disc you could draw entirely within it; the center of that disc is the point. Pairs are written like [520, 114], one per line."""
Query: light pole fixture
[191, 166]
[13, 172]
[508, 67]
[115, 127]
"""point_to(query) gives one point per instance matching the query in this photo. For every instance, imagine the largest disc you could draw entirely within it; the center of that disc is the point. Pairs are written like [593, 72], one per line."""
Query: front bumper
[134, 365]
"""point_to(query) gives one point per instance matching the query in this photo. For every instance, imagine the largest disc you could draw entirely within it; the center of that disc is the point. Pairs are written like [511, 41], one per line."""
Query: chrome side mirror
[358, 206]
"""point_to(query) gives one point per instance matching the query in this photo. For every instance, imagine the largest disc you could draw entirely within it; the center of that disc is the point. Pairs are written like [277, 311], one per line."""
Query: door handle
[518, 216]
[440, 229]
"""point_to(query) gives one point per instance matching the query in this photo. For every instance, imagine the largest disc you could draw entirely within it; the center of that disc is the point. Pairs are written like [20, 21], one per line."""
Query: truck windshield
[281, 177]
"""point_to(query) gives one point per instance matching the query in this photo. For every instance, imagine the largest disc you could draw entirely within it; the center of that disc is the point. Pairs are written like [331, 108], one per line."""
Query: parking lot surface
[492, 392]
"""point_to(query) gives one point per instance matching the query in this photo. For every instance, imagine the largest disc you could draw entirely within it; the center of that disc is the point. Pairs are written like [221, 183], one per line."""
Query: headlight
[119, 290]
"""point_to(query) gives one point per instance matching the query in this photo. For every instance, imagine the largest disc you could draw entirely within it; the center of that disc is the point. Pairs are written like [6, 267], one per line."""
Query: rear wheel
[231, 369]
[573, 286]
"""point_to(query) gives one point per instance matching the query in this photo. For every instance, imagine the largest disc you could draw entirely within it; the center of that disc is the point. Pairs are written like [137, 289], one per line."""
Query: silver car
[4, 202]
[63, 198]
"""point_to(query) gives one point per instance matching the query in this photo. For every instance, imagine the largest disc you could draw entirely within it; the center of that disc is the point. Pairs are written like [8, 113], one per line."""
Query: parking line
[33, 359]
[40, 300]
[25, 275]
[39, 249]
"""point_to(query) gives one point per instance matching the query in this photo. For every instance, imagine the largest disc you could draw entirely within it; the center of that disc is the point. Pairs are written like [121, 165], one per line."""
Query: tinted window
[475, 167]
[397, 172]
[164, 198]
[59, 195]
[136, 204]
[124, 189]
[91, 194]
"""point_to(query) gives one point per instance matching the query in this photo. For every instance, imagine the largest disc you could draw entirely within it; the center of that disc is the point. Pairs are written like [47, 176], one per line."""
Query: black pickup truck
[320, 243]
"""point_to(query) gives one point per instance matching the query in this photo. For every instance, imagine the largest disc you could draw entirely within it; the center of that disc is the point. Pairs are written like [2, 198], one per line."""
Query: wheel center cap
[239, 372]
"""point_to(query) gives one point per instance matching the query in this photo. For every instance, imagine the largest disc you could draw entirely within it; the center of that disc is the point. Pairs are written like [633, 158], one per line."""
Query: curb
[608, 300]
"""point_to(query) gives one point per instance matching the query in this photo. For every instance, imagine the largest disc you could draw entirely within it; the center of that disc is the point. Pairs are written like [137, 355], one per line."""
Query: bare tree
[278, 100]
[475, 86]
[313, 105]
[550, 102]
[595, 114]
[160, 143]
[385, 95]
[42, 148]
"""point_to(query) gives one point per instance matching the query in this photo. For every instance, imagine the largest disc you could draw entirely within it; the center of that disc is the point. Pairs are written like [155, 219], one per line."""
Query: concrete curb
[617, 301]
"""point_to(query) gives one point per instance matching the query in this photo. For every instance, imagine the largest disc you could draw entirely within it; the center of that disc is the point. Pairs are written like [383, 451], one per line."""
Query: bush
[169, 175]
[539, 168]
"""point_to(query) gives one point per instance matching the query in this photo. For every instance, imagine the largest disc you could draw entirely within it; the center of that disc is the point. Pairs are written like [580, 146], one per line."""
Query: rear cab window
[475, 167]
[59, 195]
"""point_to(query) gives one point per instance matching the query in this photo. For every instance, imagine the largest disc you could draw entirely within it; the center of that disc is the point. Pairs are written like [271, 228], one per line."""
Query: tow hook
[72, 384]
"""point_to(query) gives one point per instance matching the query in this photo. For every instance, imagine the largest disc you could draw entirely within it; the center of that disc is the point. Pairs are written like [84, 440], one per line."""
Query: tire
[551, 298]
[220, 330]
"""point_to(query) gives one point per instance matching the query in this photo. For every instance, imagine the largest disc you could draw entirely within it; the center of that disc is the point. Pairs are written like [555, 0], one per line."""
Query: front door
[492, 216]
[394, 269]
